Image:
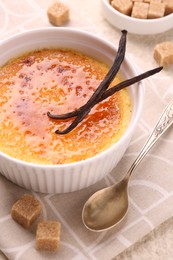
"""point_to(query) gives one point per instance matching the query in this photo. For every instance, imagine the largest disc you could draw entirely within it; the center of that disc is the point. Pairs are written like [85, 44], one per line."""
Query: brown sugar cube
[58, 13]
[163, 53]
[156, 10]
[123, 6]
[168, 6]
[26, 210]
[48, 235]
[140, 10]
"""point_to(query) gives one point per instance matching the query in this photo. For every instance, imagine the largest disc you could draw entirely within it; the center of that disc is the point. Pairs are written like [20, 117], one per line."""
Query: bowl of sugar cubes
[144, 17]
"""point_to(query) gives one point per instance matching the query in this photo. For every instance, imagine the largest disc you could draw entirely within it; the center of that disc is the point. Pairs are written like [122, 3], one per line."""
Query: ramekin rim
[126, 133]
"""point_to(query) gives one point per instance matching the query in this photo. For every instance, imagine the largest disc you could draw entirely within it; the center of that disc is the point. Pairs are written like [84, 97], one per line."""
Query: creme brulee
[58, 81]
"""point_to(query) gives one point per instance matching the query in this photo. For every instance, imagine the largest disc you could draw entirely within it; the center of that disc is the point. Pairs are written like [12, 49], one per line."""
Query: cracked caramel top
[59, 81]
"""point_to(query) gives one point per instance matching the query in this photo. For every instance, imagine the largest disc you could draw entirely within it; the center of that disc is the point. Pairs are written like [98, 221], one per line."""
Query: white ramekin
[135, 25]
[73, 176]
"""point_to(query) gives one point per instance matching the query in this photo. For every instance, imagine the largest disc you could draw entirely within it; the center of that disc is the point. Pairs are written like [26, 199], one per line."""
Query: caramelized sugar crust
[58, 81]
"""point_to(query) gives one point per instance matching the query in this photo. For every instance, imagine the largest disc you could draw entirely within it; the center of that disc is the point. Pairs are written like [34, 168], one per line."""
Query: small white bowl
[73, 176]
[135, 25]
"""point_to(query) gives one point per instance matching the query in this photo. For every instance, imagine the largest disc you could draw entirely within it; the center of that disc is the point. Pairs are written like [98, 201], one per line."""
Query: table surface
[154, 240]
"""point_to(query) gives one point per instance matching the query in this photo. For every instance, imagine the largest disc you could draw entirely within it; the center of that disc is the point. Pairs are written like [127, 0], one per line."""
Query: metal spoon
[107, 207]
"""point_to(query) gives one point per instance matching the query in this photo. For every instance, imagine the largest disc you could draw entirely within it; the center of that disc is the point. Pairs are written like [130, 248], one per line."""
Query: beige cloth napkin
[151, 188]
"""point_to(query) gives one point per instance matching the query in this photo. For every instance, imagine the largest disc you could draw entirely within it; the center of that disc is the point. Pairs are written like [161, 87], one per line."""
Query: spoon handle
[163, 124]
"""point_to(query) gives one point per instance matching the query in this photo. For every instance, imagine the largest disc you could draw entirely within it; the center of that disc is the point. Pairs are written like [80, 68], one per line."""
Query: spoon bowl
[107, 207]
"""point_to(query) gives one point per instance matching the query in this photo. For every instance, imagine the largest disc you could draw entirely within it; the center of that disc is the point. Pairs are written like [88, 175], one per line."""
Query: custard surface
[58, 81]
